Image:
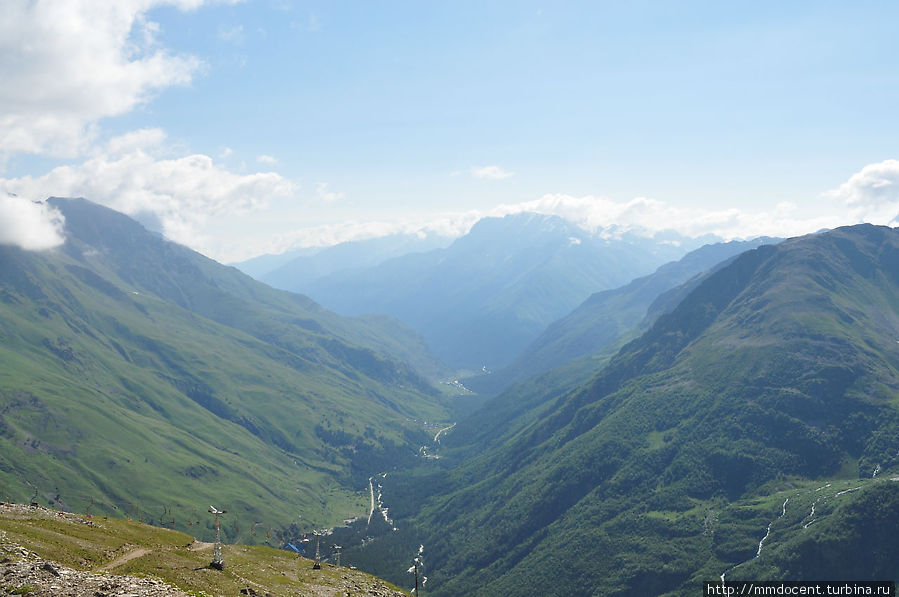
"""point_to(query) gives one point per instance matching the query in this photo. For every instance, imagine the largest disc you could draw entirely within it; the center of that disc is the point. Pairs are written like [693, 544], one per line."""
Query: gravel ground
[24, 573]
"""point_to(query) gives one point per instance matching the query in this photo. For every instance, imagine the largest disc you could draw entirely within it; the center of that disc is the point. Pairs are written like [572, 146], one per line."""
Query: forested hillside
[773, 384]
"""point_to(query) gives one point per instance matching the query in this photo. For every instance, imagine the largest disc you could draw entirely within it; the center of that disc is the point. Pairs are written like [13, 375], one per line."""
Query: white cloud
[234, 34]
[66, 64]
[322, 192]
[184, 193]
[490, 172]
[876, 184]
[596, 215]
[266, 159]
[449, 225]
[649, 216]
[31, 225]
[135, 140]
[872, 194]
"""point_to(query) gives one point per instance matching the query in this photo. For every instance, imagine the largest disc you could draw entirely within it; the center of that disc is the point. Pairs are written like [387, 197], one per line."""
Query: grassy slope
[175, 558]
[608, 319]
[140, 389]
[780, 366]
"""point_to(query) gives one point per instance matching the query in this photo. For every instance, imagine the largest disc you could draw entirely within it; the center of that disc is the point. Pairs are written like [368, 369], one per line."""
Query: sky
[239, 128]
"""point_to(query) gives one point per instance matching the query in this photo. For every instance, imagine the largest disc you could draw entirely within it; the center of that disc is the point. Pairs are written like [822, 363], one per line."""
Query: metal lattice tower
[217, 562]
[318, 562]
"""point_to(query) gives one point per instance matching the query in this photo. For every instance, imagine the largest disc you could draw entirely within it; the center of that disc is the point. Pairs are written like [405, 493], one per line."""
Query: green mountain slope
[608, 318]
[776, 371]
[137, 373]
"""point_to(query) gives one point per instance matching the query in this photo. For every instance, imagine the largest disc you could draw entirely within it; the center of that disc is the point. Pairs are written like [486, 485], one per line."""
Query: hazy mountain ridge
[283, 271]
[779, 366]
[483, 298]
[134, 370]
[607, 318]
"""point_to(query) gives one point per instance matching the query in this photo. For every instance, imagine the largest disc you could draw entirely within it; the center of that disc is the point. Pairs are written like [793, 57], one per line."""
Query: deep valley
[732, 415]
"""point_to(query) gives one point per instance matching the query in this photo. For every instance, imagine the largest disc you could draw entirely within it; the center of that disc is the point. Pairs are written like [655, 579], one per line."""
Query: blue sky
[239, 128]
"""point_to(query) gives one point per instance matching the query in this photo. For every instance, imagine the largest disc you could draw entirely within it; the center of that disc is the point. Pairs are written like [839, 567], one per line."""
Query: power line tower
[337, 548]
[217, 562]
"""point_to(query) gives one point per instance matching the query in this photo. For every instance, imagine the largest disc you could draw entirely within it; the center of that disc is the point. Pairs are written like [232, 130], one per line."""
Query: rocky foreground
[25, 572]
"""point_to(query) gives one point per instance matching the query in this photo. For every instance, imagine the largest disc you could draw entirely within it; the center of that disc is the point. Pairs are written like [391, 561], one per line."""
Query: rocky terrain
[34, 541]
[26, 573]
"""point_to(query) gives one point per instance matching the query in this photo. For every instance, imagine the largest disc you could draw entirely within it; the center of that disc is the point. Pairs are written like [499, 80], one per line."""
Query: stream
[783, 512]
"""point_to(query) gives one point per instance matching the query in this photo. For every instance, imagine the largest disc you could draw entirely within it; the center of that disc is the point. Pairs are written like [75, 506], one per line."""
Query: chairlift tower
[337, 548]
[317, 565]
[217, 562]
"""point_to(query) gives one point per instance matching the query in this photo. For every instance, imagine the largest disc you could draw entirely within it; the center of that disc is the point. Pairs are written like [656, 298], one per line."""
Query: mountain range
[309, 263]
[600, 325]
[732, 415]
[482, 299]
[766, 399]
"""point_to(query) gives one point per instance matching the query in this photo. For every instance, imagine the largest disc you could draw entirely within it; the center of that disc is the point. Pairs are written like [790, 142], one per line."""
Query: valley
[716, 414]
[453, 299]
[139, 377]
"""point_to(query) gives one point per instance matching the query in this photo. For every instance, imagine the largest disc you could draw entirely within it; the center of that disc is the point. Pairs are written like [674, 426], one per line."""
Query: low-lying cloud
[31, 225]
[646, 216]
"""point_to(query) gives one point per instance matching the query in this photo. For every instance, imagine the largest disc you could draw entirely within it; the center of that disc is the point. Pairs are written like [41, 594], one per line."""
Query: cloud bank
[65, 64]
[645, 216]
[872, 194]
[182, 194]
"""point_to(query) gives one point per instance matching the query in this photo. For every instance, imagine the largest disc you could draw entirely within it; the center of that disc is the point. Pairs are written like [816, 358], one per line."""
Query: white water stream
[377, 500]
[783, 512]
